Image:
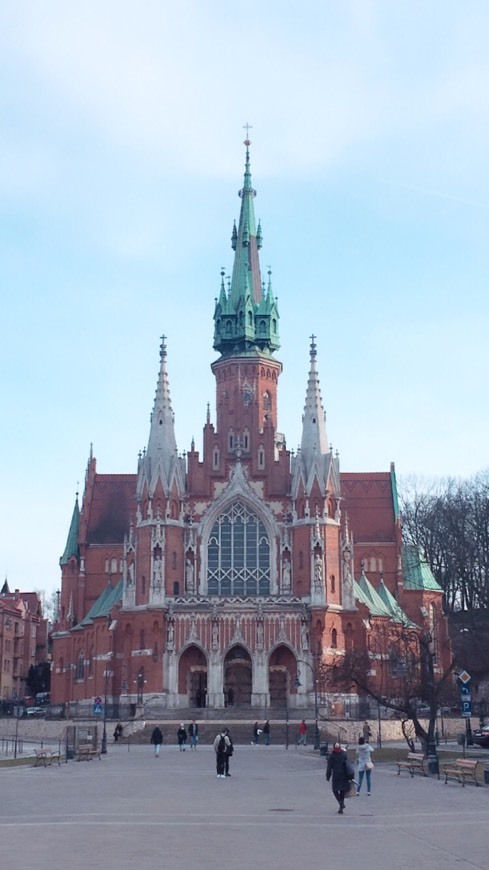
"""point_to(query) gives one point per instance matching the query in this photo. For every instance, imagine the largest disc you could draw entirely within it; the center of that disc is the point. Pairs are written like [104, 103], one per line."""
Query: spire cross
[163, 346]
[247, 127]
[313, 345]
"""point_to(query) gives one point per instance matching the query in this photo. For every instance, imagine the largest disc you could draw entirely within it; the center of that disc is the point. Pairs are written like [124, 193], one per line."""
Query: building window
[215, 458]
[238, 554]
[231, 439]
[334, 638]
[80, 667]
[261, 456]
[333, 583]
[176, 587]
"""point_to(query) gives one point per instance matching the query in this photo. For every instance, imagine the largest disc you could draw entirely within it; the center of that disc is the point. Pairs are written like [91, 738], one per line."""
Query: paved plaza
[130, 810]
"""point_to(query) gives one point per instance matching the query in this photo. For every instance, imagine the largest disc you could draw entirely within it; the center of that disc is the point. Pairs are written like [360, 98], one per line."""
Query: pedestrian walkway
[133, 810]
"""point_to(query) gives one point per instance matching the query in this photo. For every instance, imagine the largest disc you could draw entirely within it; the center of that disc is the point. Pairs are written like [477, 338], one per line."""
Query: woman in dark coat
[338, 770]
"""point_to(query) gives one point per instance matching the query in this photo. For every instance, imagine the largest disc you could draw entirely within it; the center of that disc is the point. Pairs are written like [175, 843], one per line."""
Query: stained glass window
[238, 554]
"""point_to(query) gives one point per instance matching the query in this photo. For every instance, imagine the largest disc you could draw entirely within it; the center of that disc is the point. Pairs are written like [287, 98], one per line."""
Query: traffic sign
[464, 677]
[465, 692]
[466, 709]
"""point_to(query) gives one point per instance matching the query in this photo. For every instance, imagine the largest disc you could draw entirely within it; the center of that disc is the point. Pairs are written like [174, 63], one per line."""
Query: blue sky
[120, 161]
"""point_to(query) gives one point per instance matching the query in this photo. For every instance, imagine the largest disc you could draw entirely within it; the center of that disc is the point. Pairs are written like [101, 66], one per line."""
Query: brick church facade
[215, 579]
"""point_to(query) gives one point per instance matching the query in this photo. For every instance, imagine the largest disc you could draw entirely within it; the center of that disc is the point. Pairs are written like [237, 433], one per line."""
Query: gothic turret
[314, 461]
[160, 463]
[246, 316]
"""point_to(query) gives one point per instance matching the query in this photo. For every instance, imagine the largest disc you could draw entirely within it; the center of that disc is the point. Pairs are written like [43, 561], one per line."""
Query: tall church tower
[217, 579]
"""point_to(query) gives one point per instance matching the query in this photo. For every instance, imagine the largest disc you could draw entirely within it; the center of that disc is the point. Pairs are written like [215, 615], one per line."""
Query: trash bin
[461, 739]
[323, 750]
[486, 776]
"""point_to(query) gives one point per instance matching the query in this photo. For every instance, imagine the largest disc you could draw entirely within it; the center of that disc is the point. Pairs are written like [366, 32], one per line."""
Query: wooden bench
[414, 762]
[46, 757]
[461, 769]
[86, 752]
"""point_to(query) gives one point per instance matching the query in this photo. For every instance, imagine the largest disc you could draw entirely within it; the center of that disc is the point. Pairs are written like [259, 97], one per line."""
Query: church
[215, 579]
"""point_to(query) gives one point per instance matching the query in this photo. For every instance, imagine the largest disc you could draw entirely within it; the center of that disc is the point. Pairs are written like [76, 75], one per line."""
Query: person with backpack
[157, 740]
[221, 746]
[229, 752]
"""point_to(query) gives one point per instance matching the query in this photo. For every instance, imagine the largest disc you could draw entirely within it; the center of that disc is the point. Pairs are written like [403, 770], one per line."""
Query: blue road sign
[465, 690]
[466, 708]
[97, 709]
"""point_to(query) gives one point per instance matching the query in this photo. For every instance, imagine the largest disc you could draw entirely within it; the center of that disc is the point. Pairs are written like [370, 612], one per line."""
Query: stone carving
[286, 576]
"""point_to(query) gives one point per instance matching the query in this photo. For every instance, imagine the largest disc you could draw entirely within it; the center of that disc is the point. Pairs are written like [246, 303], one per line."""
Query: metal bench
[414, 762]
[461, 769]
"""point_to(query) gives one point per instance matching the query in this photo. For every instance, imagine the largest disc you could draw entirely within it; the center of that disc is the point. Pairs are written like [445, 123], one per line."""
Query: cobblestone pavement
[130, 810]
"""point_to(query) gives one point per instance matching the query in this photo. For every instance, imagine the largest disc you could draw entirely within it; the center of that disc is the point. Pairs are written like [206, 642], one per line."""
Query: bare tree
[400, 671]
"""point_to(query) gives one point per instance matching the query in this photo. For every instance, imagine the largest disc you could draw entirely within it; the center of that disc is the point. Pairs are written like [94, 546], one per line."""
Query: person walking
[229, 751]
[302, 734]
[118, 730]
[221, 745]
[193, 733]
[365, 765]
[182, 738]
[266, 732]
[340, 771]
[366, 731]
[256, 734]
[157, 740]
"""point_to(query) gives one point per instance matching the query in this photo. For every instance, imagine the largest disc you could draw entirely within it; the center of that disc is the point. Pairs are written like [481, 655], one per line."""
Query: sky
[121, 157]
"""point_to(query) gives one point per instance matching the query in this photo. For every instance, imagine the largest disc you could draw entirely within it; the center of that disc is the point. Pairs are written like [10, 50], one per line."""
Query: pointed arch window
[238, 554]
[261, 456]
[215, 458]
[334, 638]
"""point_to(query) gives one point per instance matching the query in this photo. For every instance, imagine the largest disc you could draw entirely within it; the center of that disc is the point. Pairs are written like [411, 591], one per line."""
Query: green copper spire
[71, 548]
[246, 318]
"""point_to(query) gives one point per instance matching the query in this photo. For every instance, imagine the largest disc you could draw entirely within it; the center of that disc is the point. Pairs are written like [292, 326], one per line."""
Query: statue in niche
[158, 571]
[130, 574]
[318, 573]
[170, 635]
[286, 576]
[189, 576]
[304, 637]
[259, 635]
[215, 635]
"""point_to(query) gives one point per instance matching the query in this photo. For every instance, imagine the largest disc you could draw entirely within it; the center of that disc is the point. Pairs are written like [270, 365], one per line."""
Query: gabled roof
[380, 602]
[111, 596]
[365, 592]
[394, 606]
[417, 573]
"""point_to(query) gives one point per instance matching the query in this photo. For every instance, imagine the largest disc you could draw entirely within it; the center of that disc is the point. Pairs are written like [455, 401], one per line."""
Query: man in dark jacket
[157, 740]
[229, 752]
[340, 771]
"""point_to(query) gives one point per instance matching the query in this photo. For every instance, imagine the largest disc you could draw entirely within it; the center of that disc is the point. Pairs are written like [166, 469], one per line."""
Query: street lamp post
[297, 683]
[103, 746]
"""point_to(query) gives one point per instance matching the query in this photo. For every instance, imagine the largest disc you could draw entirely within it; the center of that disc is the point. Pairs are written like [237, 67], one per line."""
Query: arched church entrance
[281, 670]
[192, 676]
[238, 678]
